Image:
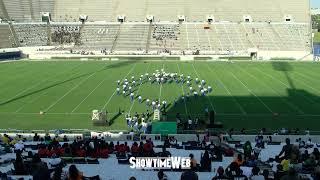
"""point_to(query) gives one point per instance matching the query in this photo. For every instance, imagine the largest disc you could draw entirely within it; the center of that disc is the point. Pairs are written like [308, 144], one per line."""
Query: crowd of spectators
[293, 162]
[66, 34]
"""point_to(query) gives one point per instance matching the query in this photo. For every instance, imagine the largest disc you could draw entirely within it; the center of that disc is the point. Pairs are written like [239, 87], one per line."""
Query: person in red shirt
[127, 148]
[42, 151]
[81, 152]
[58, 150]
[147, 148]
[50, 151]
[104, 151]
[117, 146]
[122, 150]
[135, 149]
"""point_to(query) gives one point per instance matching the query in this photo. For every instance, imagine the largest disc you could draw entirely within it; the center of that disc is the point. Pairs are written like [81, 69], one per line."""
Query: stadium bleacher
[264, 155]
[100, 10]
[268, 28]
[5, 36]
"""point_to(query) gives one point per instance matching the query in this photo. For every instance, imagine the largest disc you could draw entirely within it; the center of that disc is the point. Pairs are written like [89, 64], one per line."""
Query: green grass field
[245, 94]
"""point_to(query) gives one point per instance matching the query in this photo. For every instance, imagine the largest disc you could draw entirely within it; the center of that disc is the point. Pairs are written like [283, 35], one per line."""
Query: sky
[315, 3]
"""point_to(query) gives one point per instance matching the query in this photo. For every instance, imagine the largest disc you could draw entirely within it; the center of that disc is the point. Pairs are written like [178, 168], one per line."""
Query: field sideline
[245, 94]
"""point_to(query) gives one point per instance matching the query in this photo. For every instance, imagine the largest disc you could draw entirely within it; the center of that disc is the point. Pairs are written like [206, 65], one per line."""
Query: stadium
[231, 85]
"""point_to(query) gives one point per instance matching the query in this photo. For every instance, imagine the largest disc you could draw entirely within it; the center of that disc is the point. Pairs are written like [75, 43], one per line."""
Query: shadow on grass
[114, 65]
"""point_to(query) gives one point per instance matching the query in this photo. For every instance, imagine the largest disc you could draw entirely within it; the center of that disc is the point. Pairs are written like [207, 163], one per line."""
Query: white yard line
[206, 96]
[138, 90]
[183, 92]
[105, 105]
[310, 100]
[27, 89]
[251, 92]
[84, 99]
[300, 74]
[282, 99]
[222, 114]
[33, 100]
[226, 88]
[74, 87]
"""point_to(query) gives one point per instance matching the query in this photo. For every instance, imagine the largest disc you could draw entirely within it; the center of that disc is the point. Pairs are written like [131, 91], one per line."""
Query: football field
[247, 94]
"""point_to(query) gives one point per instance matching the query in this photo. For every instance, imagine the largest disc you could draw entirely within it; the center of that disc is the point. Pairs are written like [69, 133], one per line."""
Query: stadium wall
[180, 137]
[261, 55]
[162, 10]
[284, 55]
[10, 54]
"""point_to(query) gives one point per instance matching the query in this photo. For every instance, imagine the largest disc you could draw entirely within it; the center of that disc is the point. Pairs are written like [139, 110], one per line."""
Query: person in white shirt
[136, 126]
[191, 89]
[197, 80]
[202, 92]
[209, 88]
[19, 146]
[132, 96]
[124, 92]
[189, 123]
[118, 90]
[153, 105]
[164, 105]
[118, 82]
[143, 126]
[140, 99]
[162, 80]
[148, 102]
[128, 119]
[203, 82]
